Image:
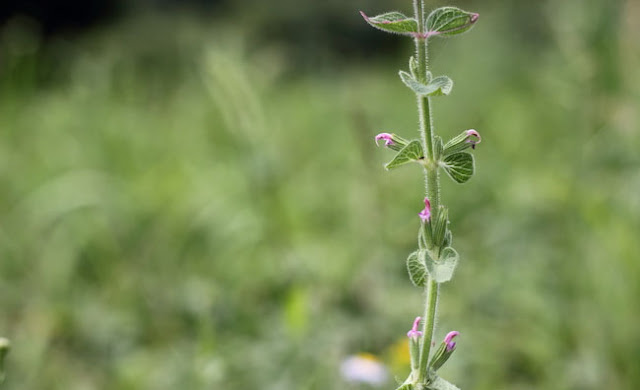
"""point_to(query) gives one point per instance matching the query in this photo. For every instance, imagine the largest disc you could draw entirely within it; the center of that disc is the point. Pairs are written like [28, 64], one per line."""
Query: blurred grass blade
[5, 346]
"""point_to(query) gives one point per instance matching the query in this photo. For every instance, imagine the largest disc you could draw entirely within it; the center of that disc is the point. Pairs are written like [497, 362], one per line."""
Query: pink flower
[425, 214]
[448, 340]
[473, 138]
[414, 333]
[386, 137]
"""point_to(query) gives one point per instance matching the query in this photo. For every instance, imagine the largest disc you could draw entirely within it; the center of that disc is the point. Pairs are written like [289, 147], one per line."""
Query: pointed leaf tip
[450, 21]
[411, 153]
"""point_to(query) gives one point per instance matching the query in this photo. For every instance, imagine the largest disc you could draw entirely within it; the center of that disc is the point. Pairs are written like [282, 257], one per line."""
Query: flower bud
[445, 351]
[414, 333]
[448, 340]
[414, 344]
[425, 214]
[473, 138]
[467, 139]
[392, 141]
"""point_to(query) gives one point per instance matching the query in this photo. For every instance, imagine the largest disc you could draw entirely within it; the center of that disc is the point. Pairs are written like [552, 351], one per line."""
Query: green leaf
[449, 21]
[459, 166]
[417, 268]
[438, 147]
[422, 241]
[411, 153]
[440, 357]
[440, 225]
[413, 67]
[442, 270]
[457, 144]
[425, 236]
[440, 384]
[448, 239]
[393, 22]
[441, 85]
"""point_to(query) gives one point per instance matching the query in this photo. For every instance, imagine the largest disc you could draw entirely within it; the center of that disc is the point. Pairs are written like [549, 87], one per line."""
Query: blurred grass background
[193, 199]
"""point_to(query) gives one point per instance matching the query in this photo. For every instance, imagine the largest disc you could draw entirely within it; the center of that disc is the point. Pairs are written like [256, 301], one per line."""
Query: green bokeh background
[192, 202]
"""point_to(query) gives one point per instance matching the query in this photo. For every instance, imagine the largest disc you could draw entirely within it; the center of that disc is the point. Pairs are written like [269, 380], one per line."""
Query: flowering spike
[435, 260]
[425, 215]
[448, 340]
[414, 333]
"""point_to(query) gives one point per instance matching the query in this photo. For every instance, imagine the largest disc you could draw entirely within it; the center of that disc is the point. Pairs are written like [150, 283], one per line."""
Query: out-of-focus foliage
[177, 212]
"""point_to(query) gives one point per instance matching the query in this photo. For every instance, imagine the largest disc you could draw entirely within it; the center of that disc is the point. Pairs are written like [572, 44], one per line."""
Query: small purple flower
[386, 137]
[448, 340]
[414, 333]
[425, 214]
[473, 137]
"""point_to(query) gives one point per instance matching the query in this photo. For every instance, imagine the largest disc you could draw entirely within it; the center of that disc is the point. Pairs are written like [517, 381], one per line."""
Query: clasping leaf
[420, 264]
[442, 270]
[440, 384]
[438, 86]
[459, 166]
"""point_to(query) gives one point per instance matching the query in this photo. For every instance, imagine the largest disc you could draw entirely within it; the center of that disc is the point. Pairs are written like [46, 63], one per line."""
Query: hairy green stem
[429, 326]
[424, 110]
[432, 186]
[418, 8]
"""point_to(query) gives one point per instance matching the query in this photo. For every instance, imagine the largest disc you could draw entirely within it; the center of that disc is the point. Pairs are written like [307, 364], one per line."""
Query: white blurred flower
[364, 368]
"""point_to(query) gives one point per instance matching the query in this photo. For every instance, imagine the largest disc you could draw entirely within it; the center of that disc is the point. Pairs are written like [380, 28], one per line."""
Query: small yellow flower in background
[399, 358]
[364, 368]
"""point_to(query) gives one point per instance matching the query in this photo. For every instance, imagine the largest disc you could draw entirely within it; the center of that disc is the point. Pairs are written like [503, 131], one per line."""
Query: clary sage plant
[435, 260]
